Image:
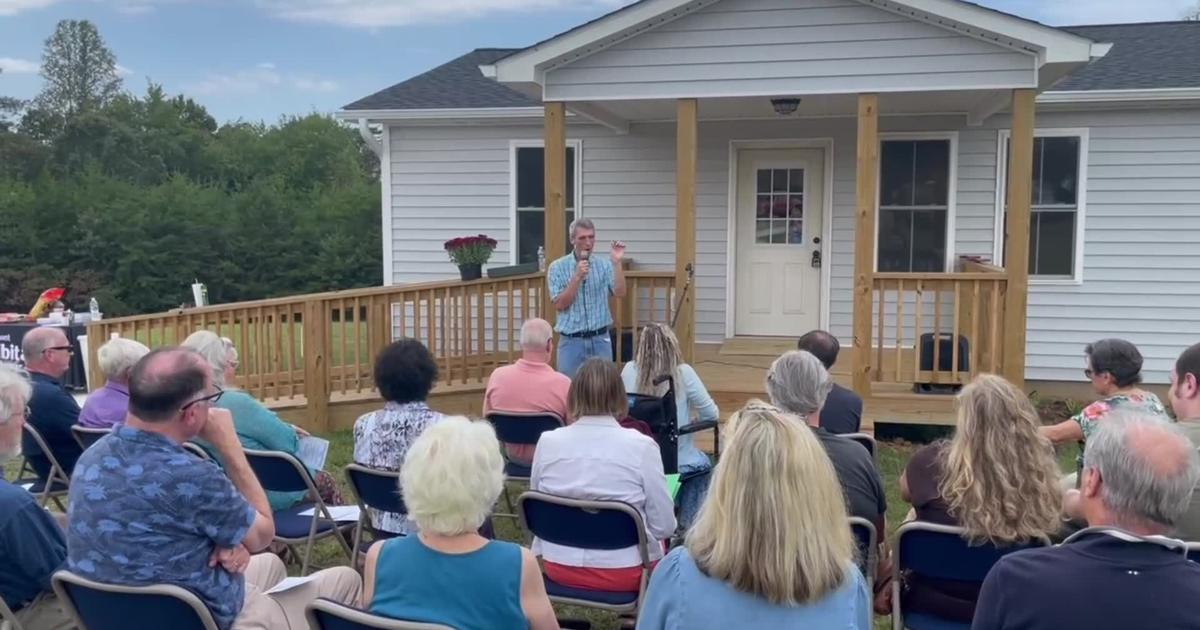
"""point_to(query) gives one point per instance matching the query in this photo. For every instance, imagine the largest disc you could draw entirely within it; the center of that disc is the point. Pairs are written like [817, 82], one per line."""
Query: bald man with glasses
[52, 409]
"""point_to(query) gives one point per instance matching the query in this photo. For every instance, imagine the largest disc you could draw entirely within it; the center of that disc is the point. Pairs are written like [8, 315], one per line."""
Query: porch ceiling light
[785, 106]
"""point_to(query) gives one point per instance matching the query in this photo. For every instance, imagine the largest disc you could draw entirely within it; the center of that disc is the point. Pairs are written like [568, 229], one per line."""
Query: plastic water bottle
[541, 258]
[94, 309]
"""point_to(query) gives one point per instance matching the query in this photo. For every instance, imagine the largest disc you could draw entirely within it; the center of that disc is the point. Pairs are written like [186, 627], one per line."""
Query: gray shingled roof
[1150, 55]
[1155, 55]
[454, 85]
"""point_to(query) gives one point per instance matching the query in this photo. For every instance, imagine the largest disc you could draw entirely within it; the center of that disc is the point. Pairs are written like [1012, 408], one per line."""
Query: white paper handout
[340, 513]
[288, 584]
[313, 451]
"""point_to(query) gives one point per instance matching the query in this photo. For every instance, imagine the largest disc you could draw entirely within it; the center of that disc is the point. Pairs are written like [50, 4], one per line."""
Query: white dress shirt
[596, 458]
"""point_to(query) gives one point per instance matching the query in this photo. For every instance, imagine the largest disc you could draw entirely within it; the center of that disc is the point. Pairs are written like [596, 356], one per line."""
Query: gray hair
[581, 223]
[535, 333]
[798, 383]
[15, 391]
[118, 356]
[1144, 482]
[213, 349]
[452, 475]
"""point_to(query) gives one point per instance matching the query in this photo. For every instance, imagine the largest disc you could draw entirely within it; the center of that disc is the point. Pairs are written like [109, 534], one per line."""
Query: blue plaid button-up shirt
[589, 311]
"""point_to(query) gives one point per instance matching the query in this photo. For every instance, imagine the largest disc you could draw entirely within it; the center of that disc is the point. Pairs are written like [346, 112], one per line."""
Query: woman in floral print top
[1114, 366]
[405, 372]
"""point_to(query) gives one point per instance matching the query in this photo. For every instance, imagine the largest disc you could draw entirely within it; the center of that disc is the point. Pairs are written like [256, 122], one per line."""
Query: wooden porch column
[685, 223]
[1016, 259]
[555, 182]
[867, 170]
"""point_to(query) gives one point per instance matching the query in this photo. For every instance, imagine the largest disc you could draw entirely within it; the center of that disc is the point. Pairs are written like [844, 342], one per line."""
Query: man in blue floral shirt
[145, 511]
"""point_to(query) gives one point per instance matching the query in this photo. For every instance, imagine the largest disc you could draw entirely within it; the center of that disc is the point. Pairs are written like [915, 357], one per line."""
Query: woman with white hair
[448, 574]
[106, 407]
[257, 427]
[771, 547]
[658, 354]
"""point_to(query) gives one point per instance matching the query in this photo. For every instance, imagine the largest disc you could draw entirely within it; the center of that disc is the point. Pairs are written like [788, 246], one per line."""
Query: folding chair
[197, 450]
[376, 490]
[866, 539]
[282, 472]
[940, 552]
[324, 614]
[8, 620]
[56, 483]
[866, 439]
[594, 525]
[96, 606]
[87, 436]
[521, 429]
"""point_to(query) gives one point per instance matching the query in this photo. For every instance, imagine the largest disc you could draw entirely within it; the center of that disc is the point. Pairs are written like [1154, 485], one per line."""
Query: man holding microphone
[579, 288]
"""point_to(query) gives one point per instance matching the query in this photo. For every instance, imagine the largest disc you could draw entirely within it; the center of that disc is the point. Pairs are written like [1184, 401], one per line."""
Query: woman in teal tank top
[449, 574]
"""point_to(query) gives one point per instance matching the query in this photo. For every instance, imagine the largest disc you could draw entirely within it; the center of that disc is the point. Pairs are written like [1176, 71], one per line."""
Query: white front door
[779, 209]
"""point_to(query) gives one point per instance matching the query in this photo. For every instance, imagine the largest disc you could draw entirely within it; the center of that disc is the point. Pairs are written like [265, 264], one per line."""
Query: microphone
[585, 255]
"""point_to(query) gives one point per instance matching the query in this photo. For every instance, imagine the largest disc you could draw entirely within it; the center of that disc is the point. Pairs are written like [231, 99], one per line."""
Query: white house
[1114, 208]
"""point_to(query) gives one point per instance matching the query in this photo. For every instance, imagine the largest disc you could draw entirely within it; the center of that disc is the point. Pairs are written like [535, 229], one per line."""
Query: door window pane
[779, 206]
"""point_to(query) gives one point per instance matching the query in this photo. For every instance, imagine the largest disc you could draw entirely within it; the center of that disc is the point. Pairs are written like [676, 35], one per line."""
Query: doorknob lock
[816, 259]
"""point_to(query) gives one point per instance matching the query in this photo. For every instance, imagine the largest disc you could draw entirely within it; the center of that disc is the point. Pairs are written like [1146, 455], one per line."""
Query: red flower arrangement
[470, 250]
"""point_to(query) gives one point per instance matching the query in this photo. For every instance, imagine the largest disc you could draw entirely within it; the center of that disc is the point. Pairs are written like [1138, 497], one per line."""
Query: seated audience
[258, 428]
[1138, 475]
[1114, 367]
[842, 412]
[31, 543]
[530, 385]
[106, 407]
[1185, 402]
[448, 574]
[145, 511]
[763, 554]
[52, 409]
[996, 478]
[798, 383]
[595, 458]
[657, 355]
[404, 374]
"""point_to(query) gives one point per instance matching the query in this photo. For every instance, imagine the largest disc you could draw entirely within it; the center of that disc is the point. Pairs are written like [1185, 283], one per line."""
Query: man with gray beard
[31, 544]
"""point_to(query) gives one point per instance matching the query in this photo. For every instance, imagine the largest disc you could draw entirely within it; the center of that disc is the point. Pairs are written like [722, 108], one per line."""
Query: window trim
[513, 145]
[951, 188]
[1002, 139]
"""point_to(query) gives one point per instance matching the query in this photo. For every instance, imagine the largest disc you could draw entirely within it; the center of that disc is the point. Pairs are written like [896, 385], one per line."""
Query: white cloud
[378, 13]
[124, 70]
[11, 65]
[1065, 12]
[13, 7]
[261, 77]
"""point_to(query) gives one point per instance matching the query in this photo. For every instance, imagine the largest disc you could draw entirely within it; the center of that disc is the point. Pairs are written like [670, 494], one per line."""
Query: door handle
[816, 259]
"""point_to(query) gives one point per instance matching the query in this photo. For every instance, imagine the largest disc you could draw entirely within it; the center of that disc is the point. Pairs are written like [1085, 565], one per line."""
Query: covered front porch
[768, 261]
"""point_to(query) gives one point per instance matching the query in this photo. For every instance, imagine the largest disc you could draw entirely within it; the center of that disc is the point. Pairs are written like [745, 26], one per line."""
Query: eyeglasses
[1088, 373]
[210, 399]
[67, 349]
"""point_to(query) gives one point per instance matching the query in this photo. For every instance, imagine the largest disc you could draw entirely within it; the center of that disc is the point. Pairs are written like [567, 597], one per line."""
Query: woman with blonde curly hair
[996, 478]
[770, 547]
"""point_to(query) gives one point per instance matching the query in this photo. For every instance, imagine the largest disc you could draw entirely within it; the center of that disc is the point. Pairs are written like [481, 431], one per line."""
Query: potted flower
[469, 253]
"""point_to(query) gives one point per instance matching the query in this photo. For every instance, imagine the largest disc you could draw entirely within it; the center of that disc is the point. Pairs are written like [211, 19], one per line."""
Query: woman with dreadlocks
[657, 355]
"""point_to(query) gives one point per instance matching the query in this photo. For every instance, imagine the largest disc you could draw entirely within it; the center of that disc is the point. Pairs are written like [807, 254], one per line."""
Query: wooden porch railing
[908, 308]
[309, 349]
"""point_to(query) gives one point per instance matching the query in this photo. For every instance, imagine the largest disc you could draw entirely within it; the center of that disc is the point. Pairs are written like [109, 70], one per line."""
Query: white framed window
[1059, 202]
[918, 174]
[527, 195]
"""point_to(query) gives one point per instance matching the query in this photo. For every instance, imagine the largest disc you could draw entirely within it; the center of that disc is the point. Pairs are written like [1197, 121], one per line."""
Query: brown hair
[597, 390]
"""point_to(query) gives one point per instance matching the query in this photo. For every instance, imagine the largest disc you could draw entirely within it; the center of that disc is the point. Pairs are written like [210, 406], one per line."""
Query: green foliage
[131, 201]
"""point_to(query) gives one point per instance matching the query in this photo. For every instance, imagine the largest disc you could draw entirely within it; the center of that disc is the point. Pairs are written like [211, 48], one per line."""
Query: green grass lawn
[892, 458]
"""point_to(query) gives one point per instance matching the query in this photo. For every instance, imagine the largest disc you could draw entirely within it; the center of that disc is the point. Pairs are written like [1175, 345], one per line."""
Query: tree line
[130, 197]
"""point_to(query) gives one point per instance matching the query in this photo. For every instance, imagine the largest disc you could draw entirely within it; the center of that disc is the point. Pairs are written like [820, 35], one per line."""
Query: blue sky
[262, 59]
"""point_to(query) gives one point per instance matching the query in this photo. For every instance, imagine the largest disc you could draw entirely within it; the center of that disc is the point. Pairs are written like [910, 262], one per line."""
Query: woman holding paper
[257, 427]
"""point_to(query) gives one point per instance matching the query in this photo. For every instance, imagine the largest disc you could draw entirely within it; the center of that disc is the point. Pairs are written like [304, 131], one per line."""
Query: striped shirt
[589, 311]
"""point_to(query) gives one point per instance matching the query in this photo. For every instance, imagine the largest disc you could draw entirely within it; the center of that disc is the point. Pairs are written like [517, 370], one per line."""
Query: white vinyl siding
[770, 47]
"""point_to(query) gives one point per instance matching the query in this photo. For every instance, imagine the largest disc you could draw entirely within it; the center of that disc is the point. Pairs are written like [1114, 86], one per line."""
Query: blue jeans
[692, 493]
[573, 351]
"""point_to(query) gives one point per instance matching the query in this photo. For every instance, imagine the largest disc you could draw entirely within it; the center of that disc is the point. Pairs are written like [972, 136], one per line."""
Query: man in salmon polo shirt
[530, 385]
